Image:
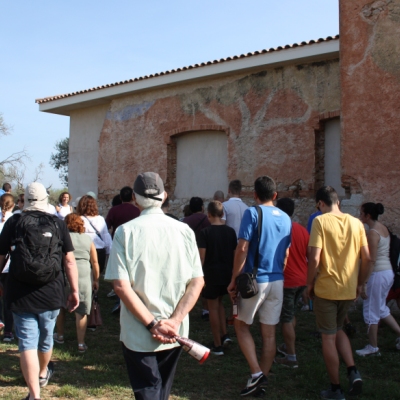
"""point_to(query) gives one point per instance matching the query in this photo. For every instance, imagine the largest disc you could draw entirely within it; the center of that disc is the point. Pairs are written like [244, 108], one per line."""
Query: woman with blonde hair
[88, 279]
[7, 206]
[96, 228]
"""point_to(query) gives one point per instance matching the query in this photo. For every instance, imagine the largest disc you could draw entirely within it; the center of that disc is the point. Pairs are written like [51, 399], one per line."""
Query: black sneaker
[332, 395]
[50, 371]
[205, 316]
[226, 340]
[355, 382]
[217, 350]
[254, 384]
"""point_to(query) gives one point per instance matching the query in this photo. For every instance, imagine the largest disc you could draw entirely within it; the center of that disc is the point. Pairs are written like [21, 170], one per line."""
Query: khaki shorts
[330, 314]
[268, 304]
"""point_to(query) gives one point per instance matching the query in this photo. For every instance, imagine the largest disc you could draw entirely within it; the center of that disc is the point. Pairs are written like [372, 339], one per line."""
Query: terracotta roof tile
[221, 60]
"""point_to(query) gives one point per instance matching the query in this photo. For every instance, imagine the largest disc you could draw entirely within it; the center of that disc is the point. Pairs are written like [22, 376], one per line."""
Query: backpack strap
[259, 226]
[97, 232]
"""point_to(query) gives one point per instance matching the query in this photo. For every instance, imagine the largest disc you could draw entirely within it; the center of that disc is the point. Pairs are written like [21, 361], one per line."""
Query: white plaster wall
[202, 164]
[84, 133]
[333, 169]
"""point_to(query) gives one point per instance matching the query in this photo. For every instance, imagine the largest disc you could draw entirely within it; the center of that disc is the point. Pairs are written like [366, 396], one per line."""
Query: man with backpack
[37, 243]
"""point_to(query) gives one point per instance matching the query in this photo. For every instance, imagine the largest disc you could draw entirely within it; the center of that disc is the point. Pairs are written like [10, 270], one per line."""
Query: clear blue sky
[51, 47]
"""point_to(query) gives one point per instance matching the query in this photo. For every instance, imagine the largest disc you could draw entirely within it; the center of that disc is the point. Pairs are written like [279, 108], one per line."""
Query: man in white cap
[37, 241]
[157, 274]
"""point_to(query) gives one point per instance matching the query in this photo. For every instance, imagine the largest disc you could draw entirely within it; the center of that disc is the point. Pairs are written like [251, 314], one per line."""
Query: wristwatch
[151, 324]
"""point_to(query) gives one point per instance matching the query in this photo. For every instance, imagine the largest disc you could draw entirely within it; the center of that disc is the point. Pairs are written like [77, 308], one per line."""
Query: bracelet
[151, 324]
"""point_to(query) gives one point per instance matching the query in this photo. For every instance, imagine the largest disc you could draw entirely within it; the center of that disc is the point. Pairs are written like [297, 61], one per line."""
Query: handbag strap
[259, 226]
[195, 229]
[97, 232]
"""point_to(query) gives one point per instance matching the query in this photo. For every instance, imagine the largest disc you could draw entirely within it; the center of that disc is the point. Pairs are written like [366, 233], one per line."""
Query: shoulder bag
[246, 283]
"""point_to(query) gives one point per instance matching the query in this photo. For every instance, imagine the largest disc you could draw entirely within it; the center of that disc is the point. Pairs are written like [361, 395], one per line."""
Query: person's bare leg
[44, 359]
[343, 347]
[331, 356]
[213, 307]
[30, 369]
[60, 322]
[81, 325]
[247, 345]
[391, 322]
[373, 335]
[289, 336]
[268, 351]
[222, 317]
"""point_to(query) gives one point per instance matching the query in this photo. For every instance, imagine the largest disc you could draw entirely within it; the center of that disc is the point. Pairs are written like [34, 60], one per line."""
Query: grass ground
[100, 373]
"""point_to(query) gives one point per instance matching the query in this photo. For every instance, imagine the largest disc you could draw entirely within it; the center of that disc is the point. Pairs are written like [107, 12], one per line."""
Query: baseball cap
[149, 184]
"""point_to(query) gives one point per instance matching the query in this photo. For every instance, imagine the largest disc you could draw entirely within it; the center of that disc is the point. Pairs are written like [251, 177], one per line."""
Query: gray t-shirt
[234, 209]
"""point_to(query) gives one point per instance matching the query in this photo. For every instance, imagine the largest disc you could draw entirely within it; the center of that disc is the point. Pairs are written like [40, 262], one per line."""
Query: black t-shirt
[220, 243]
[22, 297]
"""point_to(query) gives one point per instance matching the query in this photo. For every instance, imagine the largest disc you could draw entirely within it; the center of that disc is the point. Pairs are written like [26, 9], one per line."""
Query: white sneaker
[368, 350]
[111, 294]
[398, 343]
[305, 308]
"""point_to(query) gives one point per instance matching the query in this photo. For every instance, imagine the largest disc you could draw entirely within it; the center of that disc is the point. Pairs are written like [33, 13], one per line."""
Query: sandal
[58, 338]
[82, 347]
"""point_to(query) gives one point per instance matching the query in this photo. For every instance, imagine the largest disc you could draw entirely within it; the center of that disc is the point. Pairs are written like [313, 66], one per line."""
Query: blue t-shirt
[311, 219]
[275, 239]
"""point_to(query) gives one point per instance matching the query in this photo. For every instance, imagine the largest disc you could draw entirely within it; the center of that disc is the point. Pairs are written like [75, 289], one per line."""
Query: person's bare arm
[286, 258]
[241, 252]
[314, 256]
[95, 266]
[202, 253]
[72, 275]
[366, 267]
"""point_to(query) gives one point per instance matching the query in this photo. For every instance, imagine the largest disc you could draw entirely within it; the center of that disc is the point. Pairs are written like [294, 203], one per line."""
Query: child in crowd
[217, 244]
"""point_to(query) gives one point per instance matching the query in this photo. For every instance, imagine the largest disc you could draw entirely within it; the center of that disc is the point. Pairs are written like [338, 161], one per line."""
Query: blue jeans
[35, 331]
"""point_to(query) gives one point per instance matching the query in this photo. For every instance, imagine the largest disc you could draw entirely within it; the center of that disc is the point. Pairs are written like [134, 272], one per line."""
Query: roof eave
[302, 54]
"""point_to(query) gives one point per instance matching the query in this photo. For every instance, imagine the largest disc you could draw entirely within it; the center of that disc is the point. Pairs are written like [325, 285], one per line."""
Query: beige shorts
[268, 304]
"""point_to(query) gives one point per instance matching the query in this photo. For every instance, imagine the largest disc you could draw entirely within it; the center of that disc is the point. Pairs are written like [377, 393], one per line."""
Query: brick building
[307, 114]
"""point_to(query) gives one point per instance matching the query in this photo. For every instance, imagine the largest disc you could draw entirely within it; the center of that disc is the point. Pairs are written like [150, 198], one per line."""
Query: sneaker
[368, 350]
[226, 340]
[111, 294]
[217, 350]
[116, 308]
[332, 395]
[355, 383]
[254, 384]
[50, 371]
[58, 338]
[287, 363]
[398, 343]
[282, 349]
[8, 337]
[91, 328]
[306, 307]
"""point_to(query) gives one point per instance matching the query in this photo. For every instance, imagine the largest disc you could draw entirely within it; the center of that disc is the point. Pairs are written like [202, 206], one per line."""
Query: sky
[52, 47]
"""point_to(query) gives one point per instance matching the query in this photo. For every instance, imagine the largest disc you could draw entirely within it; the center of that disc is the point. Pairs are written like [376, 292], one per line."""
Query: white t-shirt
[64, 211]
[7, 215]
[99, 223]
[234, 209]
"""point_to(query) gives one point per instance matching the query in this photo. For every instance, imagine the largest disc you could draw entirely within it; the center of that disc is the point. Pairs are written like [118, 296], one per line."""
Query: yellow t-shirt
[340, 237]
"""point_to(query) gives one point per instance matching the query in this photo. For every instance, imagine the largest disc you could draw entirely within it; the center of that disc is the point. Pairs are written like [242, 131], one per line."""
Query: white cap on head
[36, 198]
[92, 194]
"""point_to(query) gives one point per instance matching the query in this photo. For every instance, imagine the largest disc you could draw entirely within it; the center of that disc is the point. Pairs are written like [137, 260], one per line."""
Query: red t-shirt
[121, 214]
[295, 273]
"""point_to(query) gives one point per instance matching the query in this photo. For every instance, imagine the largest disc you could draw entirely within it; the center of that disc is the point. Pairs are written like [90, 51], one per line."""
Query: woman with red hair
[96, 228]
[88, 273]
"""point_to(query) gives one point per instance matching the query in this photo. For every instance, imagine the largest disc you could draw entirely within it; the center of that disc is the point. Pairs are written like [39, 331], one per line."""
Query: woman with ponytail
[7, 206]
[380, 279]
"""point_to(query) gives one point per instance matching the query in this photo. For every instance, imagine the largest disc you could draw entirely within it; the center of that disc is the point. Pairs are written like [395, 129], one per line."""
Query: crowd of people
[52, 258]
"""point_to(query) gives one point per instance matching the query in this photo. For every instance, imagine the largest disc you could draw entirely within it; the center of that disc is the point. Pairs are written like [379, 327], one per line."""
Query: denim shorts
[35, 331]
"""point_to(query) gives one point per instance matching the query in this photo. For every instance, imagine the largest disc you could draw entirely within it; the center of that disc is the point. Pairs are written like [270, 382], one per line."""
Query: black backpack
[394, 253]
[36, 251]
